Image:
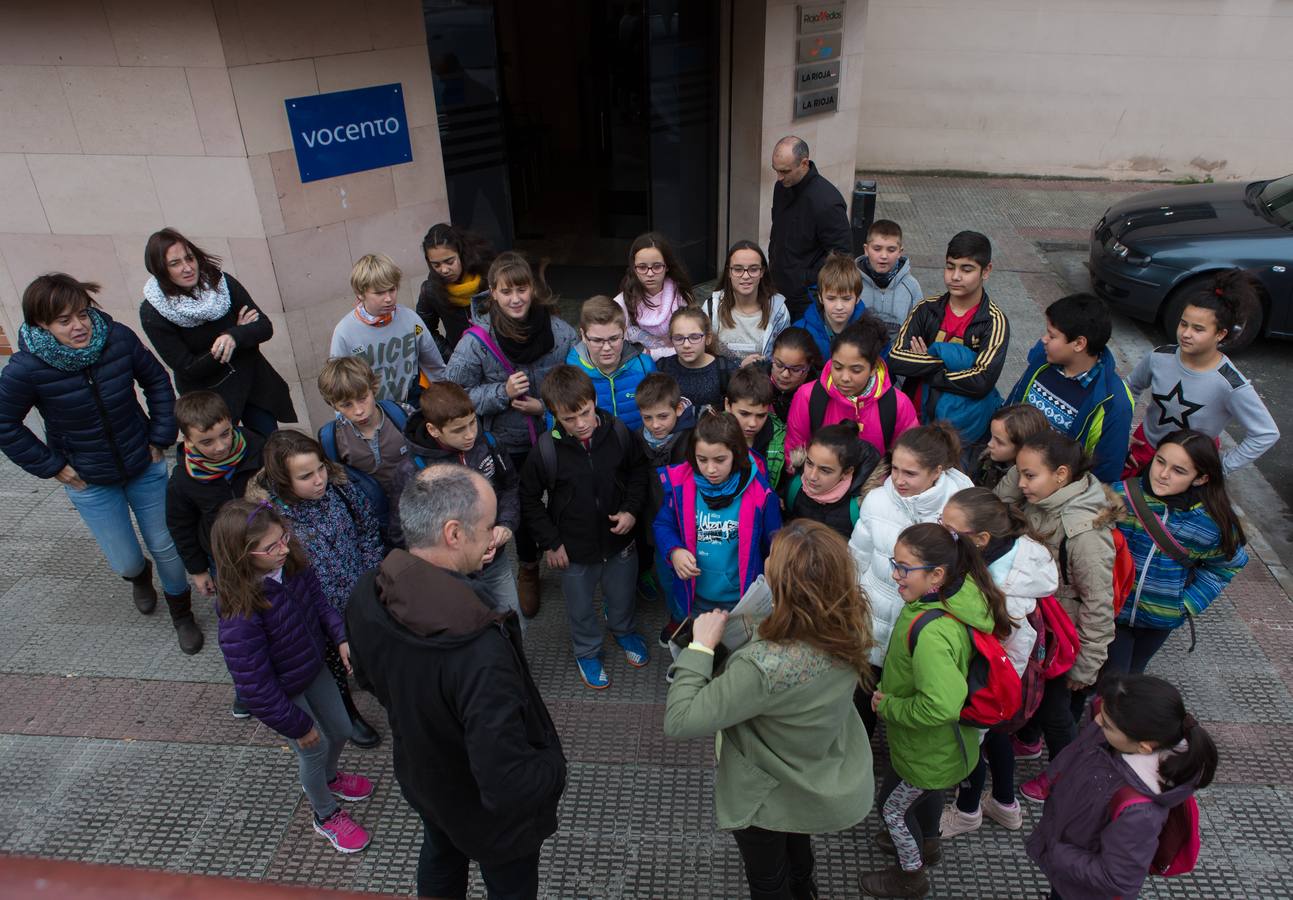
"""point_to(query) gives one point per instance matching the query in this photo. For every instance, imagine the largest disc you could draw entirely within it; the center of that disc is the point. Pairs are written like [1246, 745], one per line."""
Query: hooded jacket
[484, 378]
[970, 416]
[275, 653]
[923, 694]
[894, 302]
[778, 321]
[885, 514]
[435, 308]
[485, 456]
[1083, 853]
[1024, 573]
[1103, 423]
[475, 750]
[837, 516]
[1082, 515]
[589, 486]
[809, 220]
[861, 409]
[93, 421]
[758, 518]
[812, 322]
[987, 334]
[191, 505]
[617, 391]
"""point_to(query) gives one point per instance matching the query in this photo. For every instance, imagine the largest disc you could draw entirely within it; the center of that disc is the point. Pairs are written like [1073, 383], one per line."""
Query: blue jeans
[259, 420]
[498, 579]
[106, 509]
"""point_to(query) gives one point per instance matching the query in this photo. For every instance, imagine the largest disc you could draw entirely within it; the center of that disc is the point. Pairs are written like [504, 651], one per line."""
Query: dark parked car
[1149, 251]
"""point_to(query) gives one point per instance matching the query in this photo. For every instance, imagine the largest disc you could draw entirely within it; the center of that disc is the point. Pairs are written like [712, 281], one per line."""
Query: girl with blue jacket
[1185, 489]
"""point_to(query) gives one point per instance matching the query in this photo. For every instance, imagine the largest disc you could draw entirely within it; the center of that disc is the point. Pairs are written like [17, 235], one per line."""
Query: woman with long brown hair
[793, 757]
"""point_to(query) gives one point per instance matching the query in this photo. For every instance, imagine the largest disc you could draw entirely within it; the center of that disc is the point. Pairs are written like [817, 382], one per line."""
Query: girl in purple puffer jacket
[1143, 739]
[274, 625]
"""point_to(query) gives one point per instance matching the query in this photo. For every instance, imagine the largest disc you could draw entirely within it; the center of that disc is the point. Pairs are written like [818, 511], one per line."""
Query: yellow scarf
[460, 294]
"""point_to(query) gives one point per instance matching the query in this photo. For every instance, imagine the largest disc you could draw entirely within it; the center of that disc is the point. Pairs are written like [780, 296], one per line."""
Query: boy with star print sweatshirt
[1207, 401]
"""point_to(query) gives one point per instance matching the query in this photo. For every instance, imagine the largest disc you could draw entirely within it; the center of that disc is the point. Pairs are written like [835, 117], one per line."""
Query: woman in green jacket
[921, 694]
[793, 757]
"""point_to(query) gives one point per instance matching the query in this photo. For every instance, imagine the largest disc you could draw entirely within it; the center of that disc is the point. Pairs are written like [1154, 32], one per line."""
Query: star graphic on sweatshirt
[1174, 408]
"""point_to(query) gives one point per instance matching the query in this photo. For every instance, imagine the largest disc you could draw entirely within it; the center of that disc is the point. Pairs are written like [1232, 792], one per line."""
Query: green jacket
[792, 752]
[923, 696]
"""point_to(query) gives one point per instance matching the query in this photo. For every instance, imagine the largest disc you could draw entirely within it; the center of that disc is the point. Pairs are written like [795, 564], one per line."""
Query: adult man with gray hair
[809, 220]
[476, 753]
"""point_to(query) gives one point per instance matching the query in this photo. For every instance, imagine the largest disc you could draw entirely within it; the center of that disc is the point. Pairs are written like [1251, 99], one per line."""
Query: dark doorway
[571, 126]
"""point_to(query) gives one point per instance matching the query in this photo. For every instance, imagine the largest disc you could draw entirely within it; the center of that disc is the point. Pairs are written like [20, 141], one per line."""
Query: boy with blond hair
[391, 338]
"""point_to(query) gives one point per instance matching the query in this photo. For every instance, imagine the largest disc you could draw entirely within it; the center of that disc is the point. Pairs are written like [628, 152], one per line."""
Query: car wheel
[1241, 338]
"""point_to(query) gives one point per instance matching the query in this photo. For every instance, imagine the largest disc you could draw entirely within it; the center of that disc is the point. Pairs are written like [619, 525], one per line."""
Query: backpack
[491, 443]
[855, 505]
[994, 694]
[547, 447]
[1124, 568]
[1178, 842]
[362, 480]
[1057, 634]
[886, 406]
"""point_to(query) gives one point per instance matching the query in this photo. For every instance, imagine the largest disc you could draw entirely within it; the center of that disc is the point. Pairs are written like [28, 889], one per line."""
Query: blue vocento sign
[349, 131]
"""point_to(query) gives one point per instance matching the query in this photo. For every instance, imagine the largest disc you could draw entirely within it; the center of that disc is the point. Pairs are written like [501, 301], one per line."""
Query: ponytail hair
[1232, 299]
[1203, 454]
[1057, 450]
[842, 440]
[934, 446]
[987, 512]
[1147, 708]
[1021, 421]
[934, 545]
[867, 334]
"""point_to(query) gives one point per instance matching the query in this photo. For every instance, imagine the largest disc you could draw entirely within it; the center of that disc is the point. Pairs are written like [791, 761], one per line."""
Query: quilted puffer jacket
[274, 654]
[93, 419]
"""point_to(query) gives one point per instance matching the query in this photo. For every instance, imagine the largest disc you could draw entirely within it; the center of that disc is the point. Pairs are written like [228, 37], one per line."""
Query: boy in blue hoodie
[838, 303]
[616, 365]
[1072, 378]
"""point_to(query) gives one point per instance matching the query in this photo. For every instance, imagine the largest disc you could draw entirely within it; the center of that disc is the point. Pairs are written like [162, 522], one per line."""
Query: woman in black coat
[205, 326]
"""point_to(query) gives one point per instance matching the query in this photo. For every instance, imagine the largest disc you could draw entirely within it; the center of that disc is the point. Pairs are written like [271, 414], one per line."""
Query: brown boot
[931, 852]
[527, 589]
[895, 882]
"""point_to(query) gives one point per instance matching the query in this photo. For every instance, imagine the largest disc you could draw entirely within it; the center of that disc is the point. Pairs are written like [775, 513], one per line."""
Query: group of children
[655, 449]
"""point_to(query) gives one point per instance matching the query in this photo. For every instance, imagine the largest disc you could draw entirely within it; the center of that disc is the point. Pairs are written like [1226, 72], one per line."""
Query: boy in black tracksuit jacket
[596, 479]
[445, 429]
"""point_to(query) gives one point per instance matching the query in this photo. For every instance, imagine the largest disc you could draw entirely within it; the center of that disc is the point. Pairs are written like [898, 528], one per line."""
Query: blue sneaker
[649, 586]
[635, 650]
[592, 673]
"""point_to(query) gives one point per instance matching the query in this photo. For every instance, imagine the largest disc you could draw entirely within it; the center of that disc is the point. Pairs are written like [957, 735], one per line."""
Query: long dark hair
[631, 288]
[474, 252]
[842, 440]
[237, 528]
[281, 446]
[867, 334]
[1232, 299]
[763, 291]
[934, 545]
[1203, 454]
[988, 513]
[933, 445]
[1146, 708]
[721, 428]
[159, 243]
[1057, 450]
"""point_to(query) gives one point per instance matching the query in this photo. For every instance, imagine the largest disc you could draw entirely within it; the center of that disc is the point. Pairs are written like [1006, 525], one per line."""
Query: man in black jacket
[809, 220]
[476, 752]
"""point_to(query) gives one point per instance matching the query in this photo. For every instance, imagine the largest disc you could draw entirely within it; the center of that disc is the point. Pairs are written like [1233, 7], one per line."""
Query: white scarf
[186, 311]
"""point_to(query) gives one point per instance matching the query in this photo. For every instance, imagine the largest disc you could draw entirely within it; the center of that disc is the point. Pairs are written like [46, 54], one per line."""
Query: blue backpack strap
[396, 413]
[328, 439]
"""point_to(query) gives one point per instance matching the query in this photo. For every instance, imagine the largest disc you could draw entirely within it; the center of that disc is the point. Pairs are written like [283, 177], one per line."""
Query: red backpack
[993, 696]
[1178, 842]
[1124, 568]
[1057, 634]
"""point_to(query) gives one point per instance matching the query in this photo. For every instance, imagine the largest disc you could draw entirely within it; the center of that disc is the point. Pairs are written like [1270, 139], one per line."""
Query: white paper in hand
[745, 617]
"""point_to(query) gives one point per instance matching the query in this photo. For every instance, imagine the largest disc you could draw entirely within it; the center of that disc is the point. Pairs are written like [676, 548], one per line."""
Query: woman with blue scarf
[78, 368]
[716, 525]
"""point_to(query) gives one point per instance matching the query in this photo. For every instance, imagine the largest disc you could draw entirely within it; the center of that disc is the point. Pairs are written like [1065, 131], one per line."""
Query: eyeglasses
[280, 544]
[603, 342]
[903, 571]
[793, 370]
[653, 268]
[743, 271]
[687, 338]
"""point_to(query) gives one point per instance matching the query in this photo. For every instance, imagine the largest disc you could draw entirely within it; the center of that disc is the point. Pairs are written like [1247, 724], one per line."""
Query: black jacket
[434, 308]
[484, 456]
[476, 752]
[809, 220]
[988, 335]
[589, 486]
[246, 378]
[838, 515]
[191, 505]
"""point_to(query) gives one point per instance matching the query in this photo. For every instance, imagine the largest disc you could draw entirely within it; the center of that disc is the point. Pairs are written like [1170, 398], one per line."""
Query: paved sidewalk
[114, 747]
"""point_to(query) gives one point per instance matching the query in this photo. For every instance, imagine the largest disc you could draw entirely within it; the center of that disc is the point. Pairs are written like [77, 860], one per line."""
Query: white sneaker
[1011, 816]
[954, 822]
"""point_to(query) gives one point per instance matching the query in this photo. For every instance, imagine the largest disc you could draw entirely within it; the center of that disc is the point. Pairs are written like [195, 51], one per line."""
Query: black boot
[362, 734]
[190, 635]
[142, 590]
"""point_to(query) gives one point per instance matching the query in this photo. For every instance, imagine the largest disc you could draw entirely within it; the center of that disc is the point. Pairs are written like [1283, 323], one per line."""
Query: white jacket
[884, 515]
[1026, 571]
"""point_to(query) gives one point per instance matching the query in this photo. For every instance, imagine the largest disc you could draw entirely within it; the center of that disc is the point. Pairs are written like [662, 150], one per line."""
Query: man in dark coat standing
[476, 753]
[809, 220]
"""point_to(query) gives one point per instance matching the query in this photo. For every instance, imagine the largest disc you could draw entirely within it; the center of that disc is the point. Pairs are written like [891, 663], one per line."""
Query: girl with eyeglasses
[794, 360]
[921, 694]
[655, 285]
[746, 311]
[335, 524]
[700, 374]
[273, 620]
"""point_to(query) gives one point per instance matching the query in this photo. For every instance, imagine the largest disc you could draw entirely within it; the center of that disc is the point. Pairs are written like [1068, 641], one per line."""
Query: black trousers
[778, 865]
[526, 550]
[862, 700]
[1053, 719]
[442, 871]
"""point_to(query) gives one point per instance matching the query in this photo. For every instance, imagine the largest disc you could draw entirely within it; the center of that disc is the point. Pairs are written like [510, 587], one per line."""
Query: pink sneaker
[1036, 790]
[342, 832]
[1025, 750]
[349, 786]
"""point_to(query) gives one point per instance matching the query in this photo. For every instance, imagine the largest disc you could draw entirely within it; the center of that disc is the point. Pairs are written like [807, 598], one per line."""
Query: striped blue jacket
[1166, 592]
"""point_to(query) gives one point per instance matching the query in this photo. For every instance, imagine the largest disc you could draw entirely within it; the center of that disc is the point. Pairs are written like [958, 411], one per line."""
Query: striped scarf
[202, 469]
